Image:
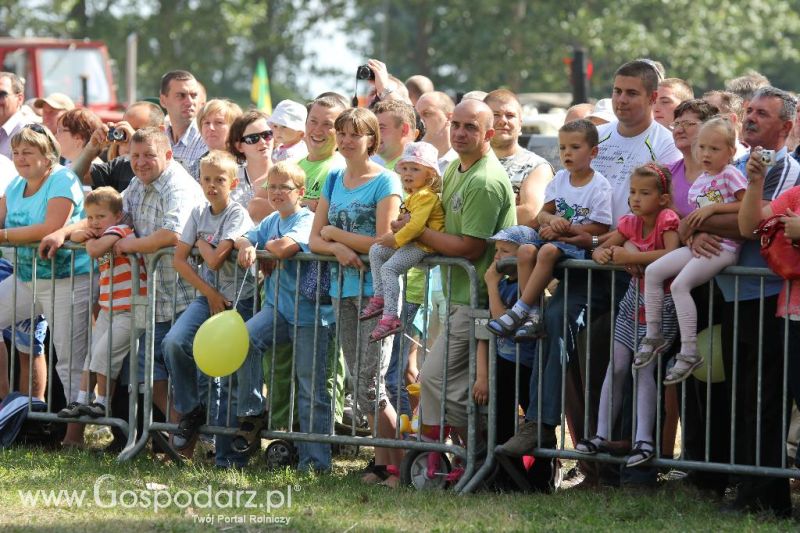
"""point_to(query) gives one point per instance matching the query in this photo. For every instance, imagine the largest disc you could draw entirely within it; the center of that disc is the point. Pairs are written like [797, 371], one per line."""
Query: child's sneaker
[685, 364]
[532, 328]
[94, 410]
[373, 308]
[73, 410]
[388, 325]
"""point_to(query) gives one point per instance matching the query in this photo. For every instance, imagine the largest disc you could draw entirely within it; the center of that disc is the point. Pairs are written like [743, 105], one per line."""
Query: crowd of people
[667, 185]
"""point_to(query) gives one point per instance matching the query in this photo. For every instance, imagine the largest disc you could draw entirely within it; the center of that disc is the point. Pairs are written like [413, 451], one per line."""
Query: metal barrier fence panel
[66, 306]
[288, 431]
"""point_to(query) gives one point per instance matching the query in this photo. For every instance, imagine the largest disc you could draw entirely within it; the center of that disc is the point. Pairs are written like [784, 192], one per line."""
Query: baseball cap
[56, 101]
[290, 115]
[422, 153]
[603, 110]
[516, 234]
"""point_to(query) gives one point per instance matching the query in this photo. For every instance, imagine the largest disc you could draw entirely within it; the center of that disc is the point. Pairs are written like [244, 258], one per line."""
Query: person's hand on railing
[480, 391]
[347, 257]
[246, 257]
[791, 225]
[50, 244]
[603, 256]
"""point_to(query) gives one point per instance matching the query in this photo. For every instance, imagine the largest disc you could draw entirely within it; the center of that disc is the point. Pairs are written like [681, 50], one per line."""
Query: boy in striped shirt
[104, 215]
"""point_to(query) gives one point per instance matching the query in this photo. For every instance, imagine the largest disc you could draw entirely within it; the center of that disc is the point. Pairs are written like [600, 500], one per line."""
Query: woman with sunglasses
[250, 141]
[43, 198]
[369, 196]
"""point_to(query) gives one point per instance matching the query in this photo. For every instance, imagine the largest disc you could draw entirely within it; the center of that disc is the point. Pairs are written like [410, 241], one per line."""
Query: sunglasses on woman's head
[38, 128]
[253, 138]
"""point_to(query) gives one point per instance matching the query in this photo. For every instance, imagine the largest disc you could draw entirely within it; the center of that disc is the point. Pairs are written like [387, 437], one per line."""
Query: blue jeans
[395, 376]
[557, 346]
[250, 376]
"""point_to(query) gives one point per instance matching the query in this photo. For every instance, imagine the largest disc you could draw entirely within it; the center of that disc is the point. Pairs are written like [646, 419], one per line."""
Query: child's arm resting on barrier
[247, 252]
[162, 238]
[214, 257]
[283, 248]
[603, 254]
[621, 256]
[216, 301]
[98, 246]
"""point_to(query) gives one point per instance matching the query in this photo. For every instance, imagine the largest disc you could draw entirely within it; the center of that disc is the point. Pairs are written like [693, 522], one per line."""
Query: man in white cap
[288, 124]
[53, 107]
[12, 94]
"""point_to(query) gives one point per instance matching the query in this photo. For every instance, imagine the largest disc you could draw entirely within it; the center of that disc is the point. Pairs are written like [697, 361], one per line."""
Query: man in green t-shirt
[478, 202]
[321, 142]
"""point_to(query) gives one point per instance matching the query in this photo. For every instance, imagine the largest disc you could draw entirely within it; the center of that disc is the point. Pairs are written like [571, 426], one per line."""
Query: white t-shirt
[580, 205]
[619, 155]
[7, 173]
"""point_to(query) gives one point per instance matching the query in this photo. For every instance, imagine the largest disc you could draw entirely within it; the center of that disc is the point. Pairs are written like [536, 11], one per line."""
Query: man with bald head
[417, 86]
[435, 109]
[478, 202]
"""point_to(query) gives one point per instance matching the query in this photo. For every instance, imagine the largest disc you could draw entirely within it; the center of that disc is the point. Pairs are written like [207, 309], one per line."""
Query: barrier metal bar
[68, 358]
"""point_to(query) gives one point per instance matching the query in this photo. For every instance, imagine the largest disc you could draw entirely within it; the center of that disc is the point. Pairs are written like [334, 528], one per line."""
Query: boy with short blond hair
[104, 215]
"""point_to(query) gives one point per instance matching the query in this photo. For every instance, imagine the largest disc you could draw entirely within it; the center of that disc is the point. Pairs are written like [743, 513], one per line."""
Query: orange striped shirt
[119, 269]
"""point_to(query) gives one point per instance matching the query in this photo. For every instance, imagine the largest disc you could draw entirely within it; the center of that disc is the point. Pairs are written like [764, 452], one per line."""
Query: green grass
[338, 502]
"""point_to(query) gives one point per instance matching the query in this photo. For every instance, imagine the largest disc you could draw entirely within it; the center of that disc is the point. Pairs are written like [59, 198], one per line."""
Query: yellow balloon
[221, 344]
[717, 369]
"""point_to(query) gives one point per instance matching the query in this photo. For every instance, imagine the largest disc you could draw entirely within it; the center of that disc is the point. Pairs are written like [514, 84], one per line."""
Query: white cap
[290, 115]
[603, 111]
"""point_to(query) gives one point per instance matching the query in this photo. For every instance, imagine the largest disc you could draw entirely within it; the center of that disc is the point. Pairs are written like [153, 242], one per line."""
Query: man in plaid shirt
[180, 96]
[159, 201]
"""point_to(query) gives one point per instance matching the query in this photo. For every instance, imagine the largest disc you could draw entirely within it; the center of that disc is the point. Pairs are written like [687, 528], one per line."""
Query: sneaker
[527, 438]
[94, 410]
[373, 308]
[73, 410]
[531, 329]
[187, 428]
[388, 325]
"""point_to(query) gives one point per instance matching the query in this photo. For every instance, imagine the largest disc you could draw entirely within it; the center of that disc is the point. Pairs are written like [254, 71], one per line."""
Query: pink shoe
[388, 325]
[373, 308]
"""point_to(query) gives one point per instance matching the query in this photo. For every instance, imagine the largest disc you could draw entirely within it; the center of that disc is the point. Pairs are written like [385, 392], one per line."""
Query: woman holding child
[43, 198]
[371, 196]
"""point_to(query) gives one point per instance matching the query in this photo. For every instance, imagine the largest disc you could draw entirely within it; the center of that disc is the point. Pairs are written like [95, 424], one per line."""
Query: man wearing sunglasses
[12, 91]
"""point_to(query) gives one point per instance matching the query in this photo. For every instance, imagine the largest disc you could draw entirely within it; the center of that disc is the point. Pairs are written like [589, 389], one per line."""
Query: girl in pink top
[719, 189]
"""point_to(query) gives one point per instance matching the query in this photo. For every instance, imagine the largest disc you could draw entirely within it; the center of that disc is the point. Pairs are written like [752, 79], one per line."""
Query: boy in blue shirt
[285, 233]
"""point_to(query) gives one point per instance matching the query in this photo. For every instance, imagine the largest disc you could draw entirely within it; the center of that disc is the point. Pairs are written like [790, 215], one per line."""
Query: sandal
[640, 454]
[249, 432]
[499, 327]
[676, 375]
[532, 329]
[593, 446]
[388, 325]
[657, 345]
[373, 308]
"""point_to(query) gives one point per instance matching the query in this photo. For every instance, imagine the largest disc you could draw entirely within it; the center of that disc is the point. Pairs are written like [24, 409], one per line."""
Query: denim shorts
[22, 329]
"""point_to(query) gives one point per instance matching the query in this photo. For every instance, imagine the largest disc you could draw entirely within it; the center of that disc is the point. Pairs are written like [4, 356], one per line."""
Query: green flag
[259, 91]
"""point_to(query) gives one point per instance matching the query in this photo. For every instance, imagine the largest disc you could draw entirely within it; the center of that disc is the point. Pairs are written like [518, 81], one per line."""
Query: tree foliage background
[460, 44]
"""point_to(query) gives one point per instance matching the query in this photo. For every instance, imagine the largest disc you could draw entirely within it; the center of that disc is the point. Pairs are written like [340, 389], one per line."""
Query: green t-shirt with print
[477, 203]
[317, 172]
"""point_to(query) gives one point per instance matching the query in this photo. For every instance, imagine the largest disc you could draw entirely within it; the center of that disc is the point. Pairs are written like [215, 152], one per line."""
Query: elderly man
[528, 172]
[768, 119]
[53, 107]
[182, 96]
[478, 202]
[12, 94]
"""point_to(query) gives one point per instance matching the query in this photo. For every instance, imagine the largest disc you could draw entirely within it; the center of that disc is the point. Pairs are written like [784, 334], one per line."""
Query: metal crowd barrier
[71, 363]
[594, 277]
[333, 436]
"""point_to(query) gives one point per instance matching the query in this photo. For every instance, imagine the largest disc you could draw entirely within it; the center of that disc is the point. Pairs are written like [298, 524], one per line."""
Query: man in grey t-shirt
[528, 172]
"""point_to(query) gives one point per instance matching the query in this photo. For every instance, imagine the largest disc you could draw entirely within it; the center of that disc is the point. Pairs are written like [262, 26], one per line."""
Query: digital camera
[116, 135]
[364, 73]
[768, 157]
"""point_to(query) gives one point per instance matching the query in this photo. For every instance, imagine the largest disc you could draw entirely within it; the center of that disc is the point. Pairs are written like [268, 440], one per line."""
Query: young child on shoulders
[288, 124]
[577, 201]
[719, 189]
[104, 216]
[212, 228]
[395, 253]
[649, 233]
